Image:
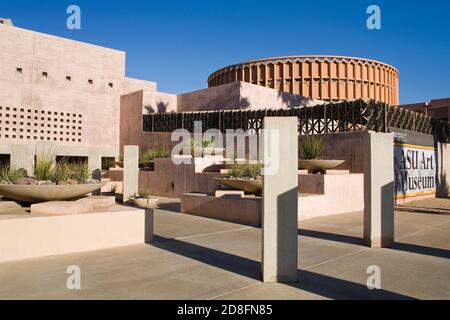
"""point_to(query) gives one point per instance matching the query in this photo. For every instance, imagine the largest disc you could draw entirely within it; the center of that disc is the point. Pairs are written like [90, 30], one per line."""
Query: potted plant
[144, 200]
[310, 150]
[51, 181]
[206, 147]
[246, 177]
[146, 161]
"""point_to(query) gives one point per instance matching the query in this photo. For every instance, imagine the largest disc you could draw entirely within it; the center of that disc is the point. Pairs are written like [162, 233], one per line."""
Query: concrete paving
[198, 258]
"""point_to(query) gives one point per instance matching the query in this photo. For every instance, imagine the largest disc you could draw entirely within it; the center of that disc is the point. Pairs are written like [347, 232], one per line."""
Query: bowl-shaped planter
[149, 203]
[252, 186]
[42, 193]
[318, 165]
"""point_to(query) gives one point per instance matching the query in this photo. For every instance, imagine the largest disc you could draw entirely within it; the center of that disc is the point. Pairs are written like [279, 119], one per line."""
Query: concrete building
[437, 108]
[74, 96]
[328, 78]
[64, 93]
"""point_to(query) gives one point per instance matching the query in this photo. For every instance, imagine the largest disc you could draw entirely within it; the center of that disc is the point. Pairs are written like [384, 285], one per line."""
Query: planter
[149, 203]
[42, 193]
[147, 165]
[207, 151]
[252, 186]
[318, 165]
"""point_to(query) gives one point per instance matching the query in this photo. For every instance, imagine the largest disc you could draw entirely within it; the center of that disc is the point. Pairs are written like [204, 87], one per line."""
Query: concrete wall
[41, 103]
[346, 146]
[437, 108]
[239, 95]
[133, 85]
[443, 172]
[63, 91]
[159, 102]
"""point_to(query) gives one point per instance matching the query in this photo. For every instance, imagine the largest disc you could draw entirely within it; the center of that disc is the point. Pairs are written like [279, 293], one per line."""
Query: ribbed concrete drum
[328, 78]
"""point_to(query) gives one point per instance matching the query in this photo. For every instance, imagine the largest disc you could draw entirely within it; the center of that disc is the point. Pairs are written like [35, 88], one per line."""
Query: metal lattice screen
[326, 118]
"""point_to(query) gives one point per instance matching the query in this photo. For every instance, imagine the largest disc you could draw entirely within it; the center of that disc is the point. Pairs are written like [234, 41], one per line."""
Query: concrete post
[379, 189]
[22, 156]
[130, 171]
[280, 200]
[94, 160]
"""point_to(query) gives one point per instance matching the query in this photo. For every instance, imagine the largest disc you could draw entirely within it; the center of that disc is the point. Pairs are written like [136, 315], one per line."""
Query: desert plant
[107, 163]
[235, 170]
[61, 172]
[252, 170]
[161, 152]
[8, 174]
[246, 170]
[79, 171]
[113, 188]
[205, 143]
[311, 147]
[44, 166]
[144, 195]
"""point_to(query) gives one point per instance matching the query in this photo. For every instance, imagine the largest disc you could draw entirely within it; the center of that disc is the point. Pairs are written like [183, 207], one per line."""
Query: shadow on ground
[323, 285]
[400, 246]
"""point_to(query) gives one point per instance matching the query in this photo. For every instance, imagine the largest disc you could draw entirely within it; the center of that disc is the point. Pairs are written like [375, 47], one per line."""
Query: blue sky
[179, 43]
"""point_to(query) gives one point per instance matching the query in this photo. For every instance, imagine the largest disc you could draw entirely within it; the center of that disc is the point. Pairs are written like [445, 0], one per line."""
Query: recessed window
[68, 78]
[90, 81]
[111, 85]
[19, 70]
[45, 74]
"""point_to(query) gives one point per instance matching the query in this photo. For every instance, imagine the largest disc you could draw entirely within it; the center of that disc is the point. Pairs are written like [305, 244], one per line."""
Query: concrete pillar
[280, 200]
[22, 156]
[94, 160]
[379, 189]
[130, 171]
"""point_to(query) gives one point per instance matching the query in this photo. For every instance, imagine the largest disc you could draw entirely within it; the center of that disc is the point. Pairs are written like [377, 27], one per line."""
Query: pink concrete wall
[35, 54]
[239, 95]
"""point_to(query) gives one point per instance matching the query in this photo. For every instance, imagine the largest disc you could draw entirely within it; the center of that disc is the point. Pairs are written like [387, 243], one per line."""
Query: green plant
[144, 195]
[79, 171]
[140, 195]
[113, 188]
[107, 163]
[44, 166]
[61, 172]
[311, 147]
[205, 143]
[161, 152]
[246, 170]
[235, 170]
[252, 170]
[8, 174]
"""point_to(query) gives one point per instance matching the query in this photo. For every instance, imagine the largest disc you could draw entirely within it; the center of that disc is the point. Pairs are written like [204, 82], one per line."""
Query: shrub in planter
[144, 200]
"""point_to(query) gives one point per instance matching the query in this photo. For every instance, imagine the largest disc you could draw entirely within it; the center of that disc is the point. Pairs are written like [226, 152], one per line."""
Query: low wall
[319, 195]
[171, 180]
[232, 208]
[32, 236]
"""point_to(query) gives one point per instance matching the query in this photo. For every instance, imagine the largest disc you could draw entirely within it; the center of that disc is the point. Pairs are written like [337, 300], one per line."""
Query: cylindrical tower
[328, 78]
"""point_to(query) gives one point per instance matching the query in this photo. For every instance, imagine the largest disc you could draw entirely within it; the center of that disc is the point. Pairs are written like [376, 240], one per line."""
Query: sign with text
[414, 166]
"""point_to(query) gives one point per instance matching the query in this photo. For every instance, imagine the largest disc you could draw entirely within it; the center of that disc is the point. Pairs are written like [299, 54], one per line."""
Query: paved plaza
[198, 258]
